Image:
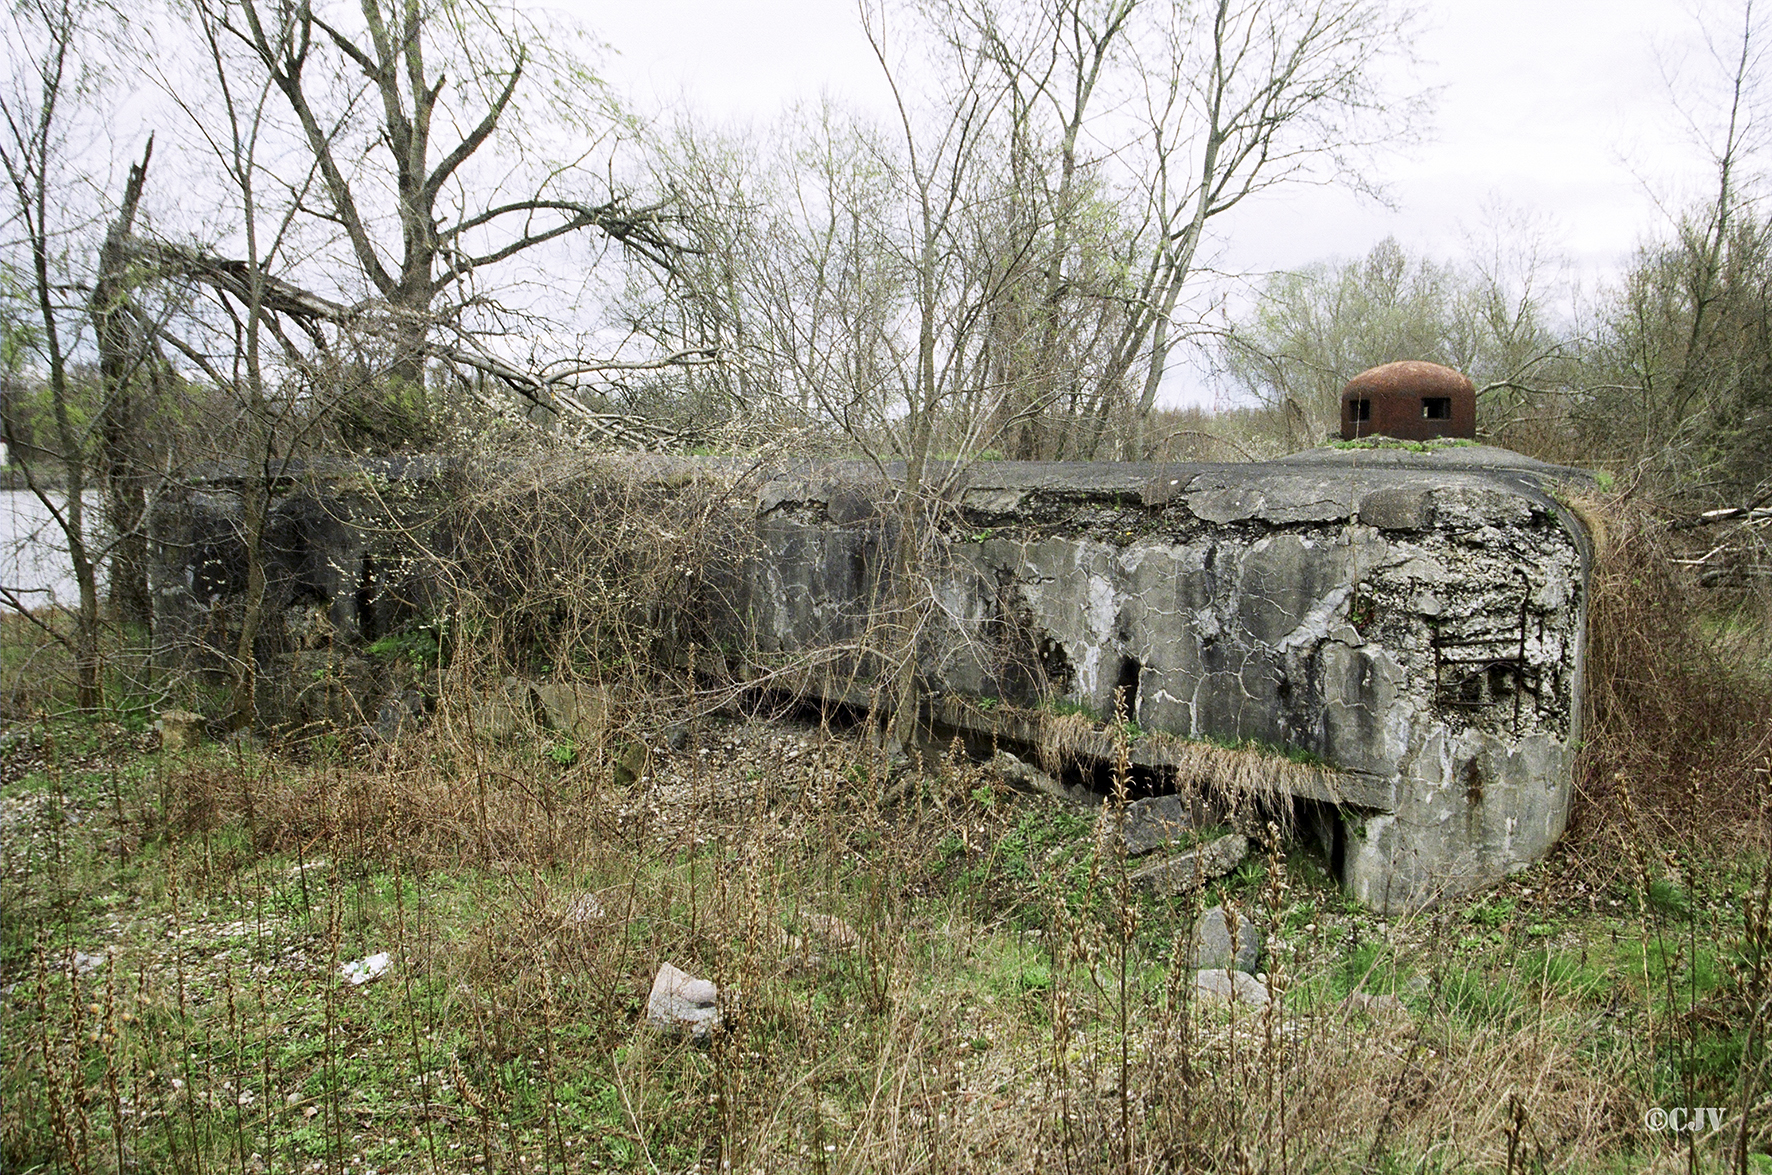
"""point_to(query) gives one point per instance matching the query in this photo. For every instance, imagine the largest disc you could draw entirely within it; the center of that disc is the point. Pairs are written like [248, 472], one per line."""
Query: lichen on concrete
[1415, 619]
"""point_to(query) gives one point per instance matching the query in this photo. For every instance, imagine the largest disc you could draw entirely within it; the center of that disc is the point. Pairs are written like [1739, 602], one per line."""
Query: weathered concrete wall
[1415, 619]
[339, 573]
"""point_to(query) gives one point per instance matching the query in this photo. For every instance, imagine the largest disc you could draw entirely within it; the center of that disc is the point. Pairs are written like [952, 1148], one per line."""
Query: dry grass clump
[1679, 688]
[1247, 782]
[600, 569]
[1067, 738]
[964, 980]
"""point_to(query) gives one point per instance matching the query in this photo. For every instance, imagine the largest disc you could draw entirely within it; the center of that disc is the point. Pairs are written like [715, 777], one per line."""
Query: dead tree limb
[555, 387]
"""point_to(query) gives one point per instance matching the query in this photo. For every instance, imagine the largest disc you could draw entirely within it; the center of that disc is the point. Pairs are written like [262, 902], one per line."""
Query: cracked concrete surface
[1414, 618]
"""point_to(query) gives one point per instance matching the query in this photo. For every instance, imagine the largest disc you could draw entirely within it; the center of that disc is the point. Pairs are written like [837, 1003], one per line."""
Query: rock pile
[1224, 963]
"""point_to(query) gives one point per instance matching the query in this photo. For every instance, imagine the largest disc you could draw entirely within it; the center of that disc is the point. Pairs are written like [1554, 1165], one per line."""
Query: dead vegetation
[923, 969]
[1678, 688]
[960, 981]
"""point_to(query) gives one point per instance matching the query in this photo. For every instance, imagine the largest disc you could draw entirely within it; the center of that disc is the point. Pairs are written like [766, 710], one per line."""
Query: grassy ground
[961, 981]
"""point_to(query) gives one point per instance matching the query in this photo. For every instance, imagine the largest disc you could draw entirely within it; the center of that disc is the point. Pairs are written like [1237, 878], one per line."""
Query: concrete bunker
[1414, 620]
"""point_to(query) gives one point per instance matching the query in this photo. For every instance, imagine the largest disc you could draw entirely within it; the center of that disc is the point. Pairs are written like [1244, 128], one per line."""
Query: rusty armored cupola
[1410, 400]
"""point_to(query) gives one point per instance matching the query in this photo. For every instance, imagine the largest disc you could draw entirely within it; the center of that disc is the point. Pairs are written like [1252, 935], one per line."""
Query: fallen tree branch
[552, 391]
[1755, 513]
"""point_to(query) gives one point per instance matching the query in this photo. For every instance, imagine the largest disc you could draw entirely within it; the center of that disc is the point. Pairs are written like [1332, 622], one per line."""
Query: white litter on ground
[363, 970]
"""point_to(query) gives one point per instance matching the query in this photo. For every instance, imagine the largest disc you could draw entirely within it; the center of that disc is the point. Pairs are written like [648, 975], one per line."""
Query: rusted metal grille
[1474, 672]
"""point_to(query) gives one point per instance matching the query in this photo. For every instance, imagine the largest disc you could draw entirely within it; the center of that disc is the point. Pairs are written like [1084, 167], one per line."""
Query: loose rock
[180, 730]
[493, 718]
[1184, 871]
[361, 971]
[1210, 946]
[85, 963]
[632, 760]
[1155, 823]
[583, 910]
[682, 1003]
[399, 714]
[579, 710]
[1239, 986]
[830, 929]
[1382, 1004]
[1026, 777]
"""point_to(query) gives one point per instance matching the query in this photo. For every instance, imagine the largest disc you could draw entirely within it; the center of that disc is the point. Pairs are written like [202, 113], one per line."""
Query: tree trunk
[254, 505]
[907, 558]
[88, 678]
[122, 354]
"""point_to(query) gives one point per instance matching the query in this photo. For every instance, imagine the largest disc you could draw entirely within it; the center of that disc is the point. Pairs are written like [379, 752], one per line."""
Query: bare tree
[942, 184]
[1084, 151]
[1253, 94]
[1156, 121]
[417, 228]
[1680, 370]
[130, 370]
[1705, 237]
[48, 72]
[269, 361]
[1054, 60]
[974, 277]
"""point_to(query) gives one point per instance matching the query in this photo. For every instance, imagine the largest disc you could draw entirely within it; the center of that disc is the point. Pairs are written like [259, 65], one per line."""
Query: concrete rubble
[1230, 986]
[1155, 823]
[1029, 778]
[1211, 946]
[180, 730]
[679, 1002]
[1191, 869]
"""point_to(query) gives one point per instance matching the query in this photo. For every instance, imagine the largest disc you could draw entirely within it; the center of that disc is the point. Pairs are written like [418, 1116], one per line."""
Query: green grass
[1481, 998]
[1065, 708]
[421, 647]
[992, 944]
[1382, 442]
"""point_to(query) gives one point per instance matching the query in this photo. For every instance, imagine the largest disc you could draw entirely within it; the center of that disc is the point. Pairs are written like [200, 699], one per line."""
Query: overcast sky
[1555, 107]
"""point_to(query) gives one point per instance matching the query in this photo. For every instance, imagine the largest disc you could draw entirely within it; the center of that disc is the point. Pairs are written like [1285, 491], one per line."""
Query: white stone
[1238, 986]
[681, 1002]
[363, 970]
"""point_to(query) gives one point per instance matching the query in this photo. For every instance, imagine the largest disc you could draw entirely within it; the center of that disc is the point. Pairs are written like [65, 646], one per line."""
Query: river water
[33, 551]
